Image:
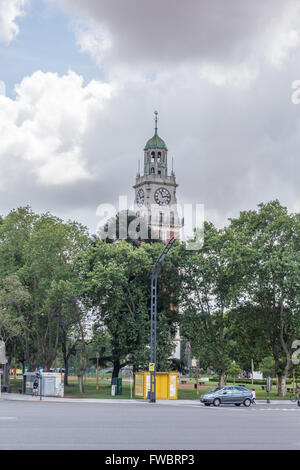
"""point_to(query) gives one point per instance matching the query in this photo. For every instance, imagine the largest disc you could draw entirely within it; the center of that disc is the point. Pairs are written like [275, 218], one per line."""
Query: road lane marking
[217, 408]
[7, 417]
[277, 409]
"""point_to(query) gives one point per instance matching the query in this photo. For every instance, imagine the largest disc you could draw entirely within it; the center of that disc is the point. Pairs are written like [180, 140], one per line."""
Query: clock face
[162, 197]
[140, 197]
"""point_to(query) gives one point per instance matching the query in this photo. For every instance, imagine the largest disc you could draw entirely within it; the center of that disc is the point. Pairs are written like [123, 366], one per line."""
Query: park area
[186, 388]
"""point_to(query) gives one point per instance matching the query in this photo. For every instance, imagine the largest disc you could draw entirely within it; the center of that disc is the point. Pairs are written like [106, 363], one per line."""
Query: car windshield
[216, 389]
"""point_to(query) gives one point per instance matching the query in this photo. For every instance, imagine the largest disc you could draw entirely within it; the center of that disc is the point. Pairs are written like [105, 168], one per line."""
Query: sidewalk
[19, 397]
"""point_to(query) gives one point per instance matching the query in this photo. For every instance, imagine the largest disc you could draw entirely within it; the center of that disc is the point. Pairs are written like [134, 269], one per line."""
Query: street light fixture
[153, 319]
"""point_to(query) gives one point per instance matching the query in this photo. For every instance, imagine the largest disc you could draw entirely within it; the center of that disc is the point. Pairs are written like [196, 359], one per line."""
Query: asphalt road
[144, 426]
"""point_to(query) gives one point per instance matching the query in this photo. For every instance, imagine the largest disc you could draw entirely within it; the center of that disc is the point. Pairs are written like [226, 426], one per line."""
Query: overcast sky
[80, 80]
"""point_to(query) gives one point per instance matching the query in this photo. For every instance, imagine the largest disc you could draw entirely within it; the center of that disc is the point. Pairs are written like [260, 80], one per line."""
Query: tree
[41, 251]
[13, 298]
[15, 230]
[117, 286]
[71, 320]
[267, 366]
[233, 370]
[267, 248]
[208, 285]
[248, 337]
[50, 275]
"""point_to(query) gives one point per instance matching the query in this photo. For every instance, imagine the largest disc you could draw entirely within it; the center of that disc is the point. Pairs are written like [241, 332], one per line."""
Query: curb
[29, 398]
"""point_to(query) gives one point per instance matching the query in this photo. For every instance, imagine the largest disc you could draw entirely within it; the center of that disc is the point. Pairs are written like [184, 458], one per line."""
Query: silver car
[234, 394]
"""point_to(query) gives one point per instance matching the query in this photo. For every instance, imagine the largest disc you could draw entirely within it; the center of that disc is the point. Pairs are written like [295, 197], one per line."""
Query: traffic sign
[1, 372]
[151, 367]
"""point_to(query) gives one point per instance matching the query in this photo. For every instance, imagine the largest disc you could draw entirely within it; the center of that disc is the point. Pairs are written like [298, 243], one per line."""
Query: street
[141, 426]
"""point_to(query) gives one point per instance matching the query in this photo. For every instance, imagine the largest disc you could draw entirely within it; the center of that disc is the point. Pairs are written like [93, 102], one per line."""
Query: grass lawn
[105, 390]
[190, 394]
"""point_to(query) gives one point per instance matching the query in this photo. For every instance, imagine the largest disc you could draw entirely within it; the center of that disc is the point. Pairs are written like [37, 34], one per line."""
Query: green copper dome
[156, 142]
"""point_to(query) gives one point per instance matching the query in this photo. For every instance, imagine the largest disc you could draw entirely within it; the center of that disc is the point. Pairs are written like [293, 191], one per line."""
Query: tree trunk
[5, 377]
[221, 379]
[282, 385]
[66, 366]
[80, 383]
[282, 376]
[116, 369]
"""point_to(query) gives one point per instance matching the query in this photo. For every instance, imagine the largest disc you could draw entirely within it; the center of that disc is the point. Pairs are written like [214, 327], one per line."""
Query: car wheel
[237, 404]
[247, 402]
[217, 402]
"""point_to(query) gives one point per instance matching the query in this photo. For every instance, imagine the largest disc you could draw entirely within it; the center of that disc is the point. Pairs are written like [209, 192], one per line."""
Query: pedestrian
[35, 389]
[253, 396]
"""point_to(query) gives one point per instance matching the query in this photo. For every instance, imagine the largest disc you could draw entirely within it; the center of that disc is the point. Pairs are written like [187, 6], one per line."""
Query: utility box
[50, 384]
[117, 382]
[166, 385]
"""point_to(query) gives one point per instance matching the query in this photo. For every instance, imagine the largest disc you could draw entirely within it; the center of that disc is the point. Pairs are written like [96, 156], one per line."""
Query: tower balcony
[158, 179]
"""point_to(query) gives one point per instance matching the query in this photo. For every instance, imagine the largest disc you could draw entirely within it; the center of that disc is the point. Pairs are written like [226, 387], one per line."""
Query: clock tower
[155, 190]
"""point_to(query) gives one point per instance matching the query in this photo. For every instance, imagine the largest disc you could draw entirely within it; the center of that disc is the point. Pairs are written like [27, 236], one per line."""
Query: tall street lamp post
[97, 374]
[153, 320]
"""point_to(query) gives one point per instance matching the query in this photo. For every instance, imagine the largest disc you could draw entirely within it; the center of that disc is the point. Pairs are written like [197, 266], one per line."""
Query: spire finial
[156, 119]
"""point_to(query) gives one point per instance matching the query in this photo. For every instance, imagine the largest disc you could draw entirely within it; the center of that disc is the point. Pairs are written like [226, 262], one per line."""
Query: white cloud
[68, 146]
[9, 11]
[240, 76]
[281, 38]
[93, 39]
[230, 41]
[43, 128]
[220, 75]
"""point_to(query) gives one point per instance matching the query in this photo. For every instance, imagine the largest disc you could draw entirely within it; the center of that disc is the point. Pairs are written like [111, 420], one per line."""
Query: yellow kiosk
[166, 385]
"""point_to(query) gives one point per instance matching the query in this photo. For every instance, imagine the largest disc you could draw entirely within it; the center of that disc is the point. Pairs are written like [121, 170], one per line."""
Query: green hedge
[248, 381]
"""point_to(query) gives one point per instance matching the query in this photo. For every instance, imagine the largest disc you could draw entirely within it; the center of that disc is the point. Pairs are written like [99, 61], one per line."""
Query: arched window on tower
[172, 219]
[161, 218]
[153, 157]
[159, 156]
[152, 170]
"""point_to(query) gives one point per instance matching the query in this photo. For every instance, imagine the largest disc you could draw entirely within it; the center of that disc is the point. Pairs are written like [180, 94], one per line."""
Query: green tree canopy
[267, 247]
[117, 286]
